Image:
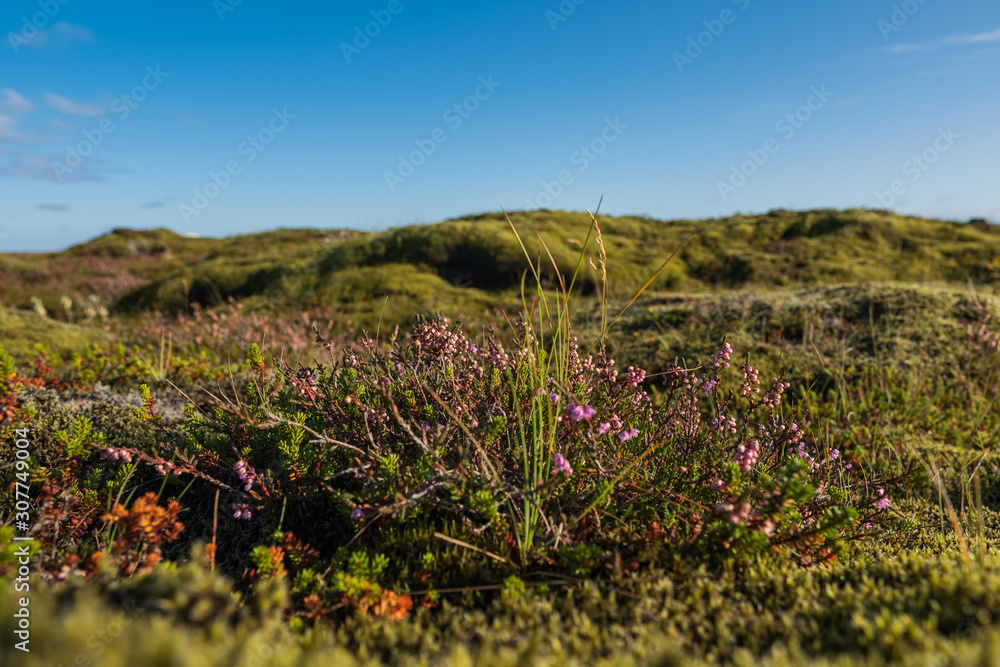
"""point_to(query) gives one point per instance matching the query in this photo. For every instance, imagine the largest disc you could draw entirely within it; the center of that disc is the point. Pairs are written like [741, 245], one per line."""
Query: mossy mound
[780, 248]
[22, 330]
[813, 332]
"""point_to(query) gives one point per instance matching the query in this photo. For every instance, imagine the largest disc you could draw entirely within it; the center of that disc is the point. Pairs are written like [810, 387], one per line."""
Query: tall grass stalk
[544, 371]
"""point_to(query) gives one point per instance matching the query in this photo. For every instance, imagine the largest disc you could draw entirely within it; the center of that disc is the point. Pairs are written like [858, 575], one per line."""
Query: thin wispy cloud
[9, 132]
[67, 105]
[954, 40]
[13, 102]
[35, 167]
[63, 126]
[70, 32]
[62, 33]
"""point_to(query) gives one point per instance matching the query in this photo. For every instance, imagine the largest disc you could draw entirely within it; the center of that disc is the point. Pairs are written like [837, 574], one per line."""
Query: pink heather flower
[241, 512]
[883, 502]
[819, 489]
[554, 397]
[720, 358]
[357, 514]
[750, 381]
[635, 376]
[717, 485]
[746, 456]
[580, 412]
[737, 513]
[561, 465]
[615, 422]
[709, 386]
[834, 454]
[868, 526]
[724, 424]
[628, 434]
[603, 428]
[473, 424]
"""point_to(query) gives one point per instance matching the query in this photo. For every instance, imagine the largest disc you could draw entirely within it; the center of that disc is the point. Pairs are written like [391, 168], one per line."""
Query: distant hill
[478, 259]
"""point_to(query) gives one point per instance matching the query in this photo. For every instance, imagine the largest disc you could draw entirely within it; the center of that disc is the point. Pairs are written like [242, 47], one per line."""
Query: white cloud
[62, 33]
[66, 105]
[978, 38]
[9, 132]
[13, 102]
[68, 32]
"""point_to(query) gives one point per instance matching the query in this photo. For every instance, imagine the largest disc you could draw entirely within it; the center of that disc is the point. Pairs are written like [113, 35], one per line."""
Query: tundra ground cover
[409, 496]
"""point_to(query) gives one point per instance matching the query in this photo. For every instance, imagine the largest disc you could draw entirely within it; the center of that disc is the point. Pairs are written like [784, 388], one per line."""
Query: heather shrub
[533, 452]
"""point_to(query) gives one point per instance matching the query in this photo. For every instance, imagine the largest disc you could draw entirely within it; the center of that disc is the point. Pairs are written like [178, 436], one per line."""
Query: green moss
[22, 330]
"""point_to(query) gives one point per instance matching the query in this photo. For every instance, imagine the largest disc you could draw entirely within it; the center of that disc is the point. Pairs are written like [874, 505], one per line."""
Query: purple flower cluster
[721, 358]
[561, 465]
[746, 456]
[117, 454]
[723, 424]
[434, 340]
[578, 412]
[245, 473]
[772, 398]
[241, 512]
[635, 376]
[750, 381]
[161, 466]
[737, 514]
[882, 503]
[628, 434]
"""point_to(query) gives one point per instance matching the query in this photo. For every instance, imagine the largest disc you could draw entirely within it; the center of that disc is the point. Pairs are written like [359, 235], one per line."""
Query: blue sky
[218, 118]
